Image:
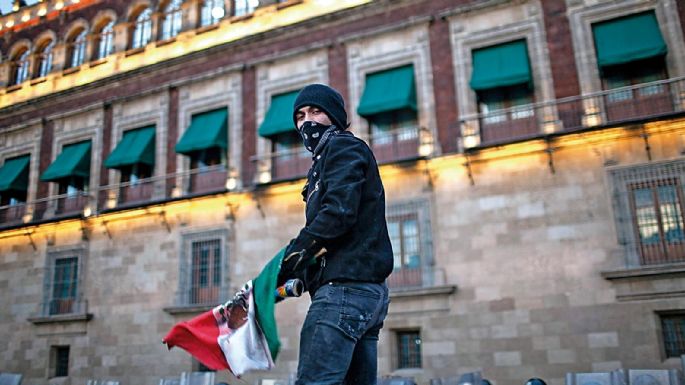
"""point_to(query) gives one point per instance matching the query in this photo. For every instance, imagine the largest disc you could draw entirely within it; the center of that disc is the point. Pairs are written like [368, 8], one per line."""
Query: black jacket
[345, 211]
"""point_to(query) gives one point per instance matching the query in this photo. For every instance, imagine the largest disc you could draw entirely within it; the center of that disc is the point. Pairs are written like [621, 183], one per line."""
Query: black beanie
[325, 98]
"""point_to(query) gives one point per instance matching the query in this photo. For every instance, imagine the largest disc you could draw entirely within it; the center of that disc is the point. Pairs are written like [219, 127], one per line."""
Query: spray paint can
[291, 288]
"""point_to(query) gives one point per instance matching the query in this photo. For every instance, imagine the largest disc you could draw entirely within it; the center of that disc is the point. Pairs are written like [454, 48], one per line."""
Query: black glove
[300, 253]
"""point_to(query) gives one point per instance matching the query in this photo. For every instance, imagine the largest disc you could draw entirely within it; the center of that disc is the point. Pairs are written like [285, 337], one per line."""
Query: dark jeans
[339, 338]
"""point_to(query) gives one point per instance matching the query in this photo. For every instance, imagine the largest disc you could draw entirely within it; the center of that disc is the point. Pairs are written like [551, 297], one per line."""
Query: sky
[6, 5]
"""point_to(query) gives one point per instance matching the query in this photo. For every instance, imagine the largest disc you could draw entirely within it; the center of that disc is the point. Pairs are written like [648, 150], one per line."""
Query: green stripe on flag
[264, 287]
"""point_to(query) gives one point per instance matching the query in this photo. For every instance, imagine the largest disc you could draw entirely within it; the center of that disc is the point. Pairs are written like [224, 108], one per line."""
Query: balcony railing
[397, 144]
[202, 296]
[405, 278]
[64, 306]
[56, 206]
[616, 106]
[12, 214]
[283, 165]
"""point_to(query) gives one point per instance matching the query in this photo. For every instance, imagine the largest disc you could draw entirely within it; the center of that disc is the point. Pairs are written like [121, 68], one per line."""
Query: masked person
[343, 253]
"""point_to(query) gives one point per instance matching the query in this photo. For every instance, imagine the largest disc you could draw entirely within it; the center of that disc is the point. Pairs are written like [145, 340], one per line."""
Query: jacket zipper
[316, 188]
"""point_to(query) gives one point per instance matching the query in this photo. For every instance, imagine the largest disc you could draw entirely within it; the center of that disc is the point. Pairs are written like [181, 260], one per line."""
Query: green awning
[628, 38]
[73, 161]
[388, 90]
[279, 118]
[207, 130]
[136, 146]
[14, 174]
[501, 65]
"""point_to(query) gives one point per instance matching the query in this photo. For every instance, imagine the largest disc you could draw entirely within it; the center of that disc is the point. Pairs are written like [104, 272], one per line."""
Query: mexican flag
[237, 338]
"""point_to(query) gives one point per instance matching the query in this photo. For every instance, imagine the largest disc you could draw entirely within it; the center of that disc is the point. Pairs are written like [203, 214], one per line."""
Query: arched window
[19, 66]
[172, 20]
[212, 11]
[244, 7]
[76, 48]
[104, 39]
[44, 58]
[142, 29]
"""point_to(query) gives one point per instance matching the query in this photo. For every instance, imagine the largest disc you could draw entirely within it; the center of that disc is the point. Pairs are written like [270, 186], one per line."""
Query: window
[142, 29]
[515, 99]
[172, 20]
[673, 334]
[648, 209]
[19, 67]
[389, 104]
[14, 180]
[244, 7]
[410, 235]
[631, 51]
[502, 81]
[64, 285]
[400, 126]
[76, 48]
[404, 235]
[71, 171]
[104, 40]
[204, 159]
[658, 214]
[634, 73]
[134, 157]
[206, 271]
[212, 11]
[203, 268]
[60, 361]
[205, 142]
[289, 146]
[44, 56]
[289, 157]
[408, 349]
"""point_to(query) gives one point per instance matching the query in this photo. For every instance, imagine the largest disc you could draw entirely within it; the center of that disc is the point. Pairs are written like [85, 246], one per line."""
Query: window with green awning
[207, 130]
[14, 174]
[73, 161]
[136, 147]
[629, 38]
[279, 118]
[501, 65]
[388, 90]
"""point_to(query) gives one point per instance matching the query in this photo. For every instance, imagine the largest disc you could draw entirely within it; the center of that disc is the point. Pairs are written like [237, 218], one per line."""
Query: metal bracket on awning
[467, 164]
[648, 148]
[107, 231]
[84, 229]
[165, 221]
[550, 158]
[33, 243]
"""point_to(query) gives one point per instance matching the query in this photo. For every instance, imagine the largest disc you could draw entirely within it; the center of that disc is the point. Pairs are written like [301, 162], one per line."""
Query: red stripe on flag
[198, 337]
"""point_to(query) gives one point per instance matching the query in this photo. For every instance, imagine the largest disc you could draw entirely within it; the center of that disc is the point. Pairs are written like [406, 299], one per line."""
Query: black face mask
[311, 133]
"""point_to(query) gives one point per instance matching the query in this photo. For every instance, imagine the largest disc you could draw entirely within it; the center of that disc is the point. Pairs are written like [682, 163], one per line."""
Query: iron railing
[206, 180]
[388, 146]
[282, 165]
[611, 107]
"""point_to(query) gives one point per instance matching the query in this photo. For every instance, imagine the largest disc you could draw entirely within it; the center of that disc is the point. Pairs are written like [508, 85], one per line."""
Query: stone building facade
[533, 170]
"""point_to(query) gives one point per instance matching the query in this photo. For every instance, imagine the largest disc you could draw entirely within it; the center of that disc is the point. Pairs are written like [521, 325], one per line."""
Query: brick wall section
[681, 13]
[560, 46]
[443, 85]
[45, 156]
[249, 86]
[172, 137]
[337, 69]
[106, 142]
